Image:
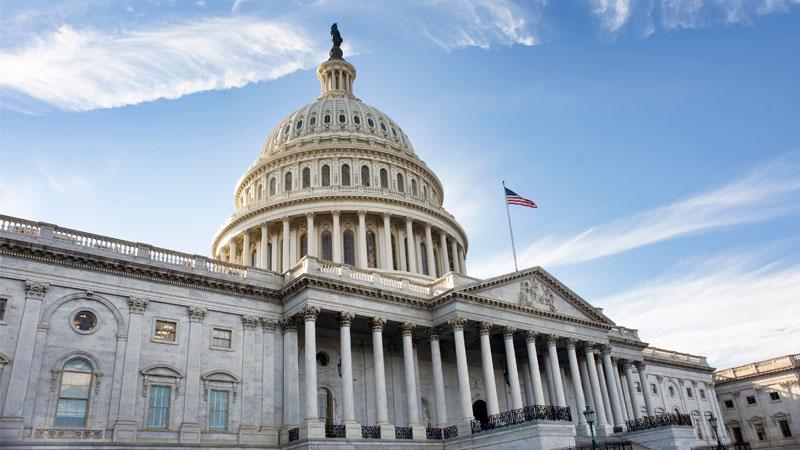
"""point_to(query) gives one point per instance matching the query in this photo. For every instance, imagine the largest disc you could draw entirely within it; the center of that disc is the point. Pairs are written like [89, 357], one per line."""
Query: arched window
[306, 177]
[325, 405]
[287, 182]
[303, 245]
[395, 256]
[405, 246]
[349, 244]
[327, 246]
[269, 255]
[400, 185]
[254, 258]
[260, 191]
[73, 396]
[345, 175]
[384, 179]
[423, 256]
[414, 187]
[272, 183]
[372, 250]
[365, 176]
[326, 175]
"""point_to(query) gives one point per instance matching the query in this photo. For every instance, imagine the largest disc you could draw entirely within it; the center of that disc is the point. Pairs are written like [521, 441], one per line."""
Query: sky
[660, 138]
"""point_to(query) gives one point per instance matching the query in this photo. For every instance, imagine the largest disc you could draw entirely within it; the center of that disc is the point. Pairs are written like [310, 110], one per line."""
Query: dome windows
[327, 119]
[306, 178]
[286, 130]
[394, 133]
[384, 176]
[342, 118]
[312, 121]
[326, 175]
[287, 182]
[370, 122]
[345, 175]
[414, 187]
[356, 120]
[299, 125]
[365, 175]
[400, 184]
[349, 247]
[272, 184]
[383, 126]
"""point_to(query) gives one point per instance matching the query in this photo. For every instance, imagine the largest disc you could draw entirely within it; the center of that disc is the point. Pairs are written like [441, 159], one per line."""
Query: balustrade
[370, 432]
[522, 415]
[403, 433]
[334, 431]
[663, 420]
[294, 434]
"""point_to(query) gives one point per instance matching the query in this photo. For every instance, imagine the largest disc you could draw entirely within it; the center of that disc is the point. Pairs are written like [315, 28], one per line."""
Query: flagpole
[510, 230]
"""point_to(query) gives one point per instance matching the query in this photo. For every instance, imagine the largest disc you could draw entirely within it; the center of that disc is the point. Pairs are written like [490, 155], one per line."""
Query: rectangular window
[729, 404]
[638, 386]
[3, 303]
[689, 392]
[158, 410]
[703, 394]
[737, 435]
[73, 399]
[774, 396]
[165, 330]
[751, 400]
[218, 410]
[653, 388]
[785, 430]
[221, 338]
[762, 435]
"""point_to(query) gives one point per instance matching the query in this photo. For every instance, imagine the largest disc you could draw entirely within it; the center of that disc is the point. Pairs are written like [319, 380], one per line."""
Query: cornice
[789, 369]
[677, 364]
[639, 345]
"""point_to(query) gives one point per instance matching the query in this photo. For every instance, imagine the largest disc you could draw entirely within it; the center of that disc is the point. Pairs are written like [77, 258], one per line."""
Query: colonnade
[379, 241]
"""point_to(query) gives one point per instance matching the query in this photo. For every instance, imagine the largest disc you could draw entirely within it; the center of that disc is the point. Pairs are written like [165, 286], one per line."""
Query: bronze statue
[336, 51]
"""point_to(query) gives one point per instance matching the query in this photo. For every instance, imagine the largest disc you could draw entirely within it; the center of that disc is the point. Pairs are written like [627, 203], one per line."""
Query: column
[554, 366]
[454, 250]
[311, 424]
[388, 257]
[488, 369]
[712, 397]
[637, 410]
[601, 376]
[264, 241]
[429, 251]
[409, 367]
[286, 261]
[587, 385]
[443, 256]
[412, 255]
[311, 235]
[249, 404]
[461, 262]
[526, 378]
[352, 428]
[337, 238]
[613, 395]
[463, 369]
[268, 374]
[125, 426]
[190, 427]
[438, 378]
[551, 390]
[574, 374]
[513, 374]
[291, 374]
[274, 257]
[620, 391]
[362, 239]
[381, 408]
[232, 251]
[246, 260]
[536, 376]
[401, 250]
[648, 402]
[599, 409]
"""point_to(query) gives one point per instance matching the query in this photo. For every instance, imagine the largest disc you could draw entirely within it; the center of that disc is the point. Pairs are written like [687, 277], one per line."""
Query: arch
[372, 250]
[327, 246]
[48, 313]
[59, 364]
[325, 175]
[272, 184]
[306, 177]
[365, 181]
[287, 182]
[400, 185]
[384, 176]
[349, 246]
[345, 175]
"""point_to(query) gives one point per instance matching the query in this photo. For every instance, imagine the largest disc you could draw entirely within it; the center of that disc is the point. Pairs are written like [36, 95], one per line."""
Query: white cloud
[734, 308]
[80, 70]
[612, 13]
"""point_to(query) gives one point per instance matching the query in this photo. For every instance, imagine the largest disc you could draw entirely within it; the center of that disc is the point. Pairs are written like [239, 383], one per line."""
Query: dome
[339, 181]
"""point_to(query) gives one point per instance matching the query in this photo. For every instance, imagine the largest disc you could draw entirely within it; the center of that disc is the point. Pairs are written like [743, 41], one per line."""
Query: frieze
[533, 293]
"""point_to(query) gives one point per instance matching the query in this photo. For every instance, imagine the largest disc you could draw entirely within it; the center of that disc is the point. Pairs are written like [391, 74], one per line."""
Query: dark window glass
[383, 126]
[342, 118]
[384, 178]
[327, 246]
[3, 303]
[306, 177]
[298, 125]
[774, 396]
[365, 176]
[165, 330]
[349, 244]
[395, 257]
[400, 185]
[322, 359]
[326, 175]
[394, 133]
[729, 404]
[84, 321]
[370, 122]
[760, 433]
[356, 120]
[287, 182]
[751, 400]
[303, 245]
[327, 118]
[372, 250]
[345, 175]
[785, 430]
[689, 392]
[423, 254]
[312, 120]
[286, 130]
[737, 435]
[414, 187]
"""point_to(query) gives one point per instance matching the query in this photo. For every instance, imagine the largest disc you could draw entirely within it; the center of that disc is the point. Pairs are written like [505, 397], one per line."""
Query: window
[165, 331]
[326, 119]
[218, 410]
[221, 338]
[272, 186]
[306, 177]
[423, 256]
[760, 432]
[394, 133]
[785, 430]
[312, 121]
[326, 175]
[345, 175]
[774, 396]
[751, 400]
[395, 256]
[356, 120]
[325, 406]
[384, 179]
[671, 391]
[303, 245]
[703, 394]
[729, 404]
[638, 386]
[383, 126]
[348, 242]
[653, 388]
[372, 254]
[365, 176]
[286, 130]
[400, 185]
[158, 408]
[84, 321]
[73, 397]
[342, 118]
[370, 122]
[327, 246]
[3, 303]
[689, 392]
[299, 125]
[425, 192]
[414, 187]
[322, 359]
[287, 182]
[737, 435]
[260, 191]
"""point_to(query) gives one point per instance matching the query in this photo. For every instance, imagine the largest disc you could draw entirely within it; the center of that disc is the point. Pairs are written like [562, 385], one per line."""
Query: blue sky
[660, 138]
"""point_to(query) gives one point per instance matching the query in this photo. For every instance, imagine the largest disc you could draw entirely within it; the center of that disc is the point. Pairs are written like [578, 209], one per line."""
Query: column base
[604, 430]
[125, 431]
[387, 430]
[271, 434]
[11, 429]
[352, 430]
[582, 429]
[312, 429]
[190, 432]
[283, 434]
[418, 432]
[464, 427]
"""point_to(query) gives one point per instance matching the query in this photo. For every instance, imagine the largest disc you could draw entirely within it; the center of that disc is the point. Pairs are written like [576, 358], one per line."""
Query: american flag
[512, 198]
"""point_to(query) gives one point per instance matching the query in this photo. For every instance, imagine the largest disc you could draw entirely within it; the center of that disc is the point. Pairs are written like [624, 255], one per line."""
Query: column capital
[336, 212]
[137, 305]
[285, 219]
[264, 227]
[626, 364]
[36, 289]
[362, 212]
[377, 323]
[551, 339]
[508, 332]
[571, 343]
[640, 365]
[268, 324]
[196, 314]
[605, 349]
[346, 318]
[433, 333]
[249, 322]
[407, 328]
[289, 324]
[485, 327]
[457, 323]
[310, 313]
[310, 215]
[531, 335]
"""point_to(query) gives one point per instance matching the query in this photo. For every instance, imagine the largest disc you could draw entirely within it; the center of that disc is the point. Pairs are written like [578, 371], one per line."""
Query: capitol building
[335, 310]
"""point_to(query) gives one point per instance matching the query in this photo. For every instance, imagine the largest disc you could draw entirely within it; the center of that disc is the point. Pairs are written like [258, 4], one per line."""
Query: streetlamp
[589, 414]
[713, 421]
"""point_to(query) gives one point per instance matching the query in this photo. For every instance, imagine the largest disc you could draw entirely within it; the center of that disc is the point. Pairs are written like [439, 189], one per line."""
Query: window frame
[777, 394]
[288, 181]
[305, 177]
[365, 176]
[154, 328]
[748, 402]
[325, 175]
[228, 402]
[211, 344]
[4, 302]
[785, 432]
[71, 318]
[90, 388]
[345, 178]
[148, 412]
[349, 256]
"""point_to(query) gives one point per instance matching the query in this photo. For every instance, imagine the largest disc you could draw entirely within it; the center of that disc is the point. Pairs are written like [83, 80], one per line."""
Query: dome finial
[336, 51]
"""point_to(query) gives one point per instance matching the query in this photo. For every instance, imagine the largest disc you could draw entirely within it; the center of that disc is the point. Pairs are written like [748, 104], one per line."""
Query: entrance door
[479, 411]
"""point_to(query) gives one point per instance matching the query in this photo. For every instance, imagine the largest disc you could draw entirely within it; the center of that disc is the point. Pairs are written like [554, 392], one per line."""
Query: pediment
[537, 289]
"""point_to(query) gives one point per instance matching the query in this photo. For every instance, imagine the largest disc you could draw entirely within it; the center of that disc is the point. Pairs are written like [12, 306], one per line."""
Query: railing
[729, 446]
[526, 414]
[171, 257]
[335, 431]
[217, 266]
[369, 432]
[617, 429]
[403, 433]
[95, 241]
[294, 434]
[450, 432]
[602, 445]
[663, 420]
[19, 226]
[433, 433]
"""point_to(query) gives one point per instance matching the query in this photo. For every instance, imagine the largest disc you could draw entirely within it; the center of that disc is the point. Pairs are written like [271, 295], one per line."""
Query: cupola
[336, 75]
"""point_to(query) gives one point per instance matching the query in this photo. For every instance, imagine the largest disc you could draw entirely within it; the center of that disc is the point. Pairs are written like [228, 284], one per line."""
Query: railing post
[143, 250]
[200, 262]
[46, 231]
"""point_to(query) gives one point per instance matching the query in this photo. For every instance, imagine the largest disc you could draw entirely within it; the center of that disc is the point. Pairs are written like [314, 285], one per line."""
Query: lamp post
[589, 414]
[713, 421]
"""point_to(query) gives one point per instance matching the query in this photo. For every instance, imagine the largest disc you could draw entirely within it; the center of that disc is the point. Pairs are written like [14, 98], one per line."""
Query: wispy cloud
[735, 308]
[83, 69]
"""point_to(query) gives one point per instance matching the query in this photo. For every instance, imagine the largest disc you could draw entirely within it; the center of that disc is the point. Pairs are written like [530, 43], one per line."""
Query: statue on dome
[336, 37]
